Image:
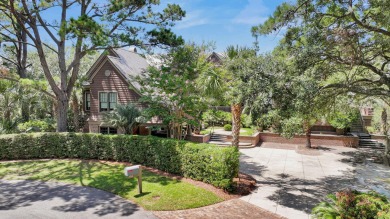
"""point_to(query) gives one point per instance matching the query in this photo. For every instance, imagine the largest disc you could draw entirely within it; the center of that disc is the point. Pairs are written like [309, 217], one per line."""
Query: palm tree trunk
[236, 115]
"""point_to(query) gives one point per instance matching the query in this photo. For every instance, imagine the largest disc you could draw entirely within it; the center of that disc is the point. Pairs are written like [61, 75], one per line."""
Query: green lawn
[159, 193]
[243, 131]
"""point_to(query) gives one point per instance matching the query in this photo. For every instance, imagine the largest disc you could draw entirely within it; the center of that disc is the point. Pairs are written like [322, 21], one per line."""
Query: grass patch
[159, 192]
[246, 131]
[243, 131]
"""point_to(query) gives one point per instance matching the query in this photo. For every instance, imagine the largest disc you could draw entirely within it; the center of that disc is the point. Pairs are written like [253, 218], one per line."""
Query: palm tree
[210, 83]
[236, 61]
[124, 116]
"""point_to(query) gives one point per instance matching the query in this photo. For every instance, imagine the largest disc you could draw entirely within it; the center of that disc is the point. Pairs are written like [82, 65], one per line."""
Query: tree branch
[366, 26]
[43, 24]
[17, 80]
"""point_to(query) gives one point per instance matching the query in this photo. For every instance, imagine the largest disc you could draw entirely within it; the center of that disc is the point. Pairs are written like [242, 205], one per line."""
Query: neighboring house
[110, 82]
[216, 58]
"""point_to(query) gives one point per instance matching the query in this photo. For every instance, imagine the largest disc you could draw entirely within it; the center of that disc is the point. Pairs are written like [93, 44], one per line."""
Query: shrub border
[204, 162]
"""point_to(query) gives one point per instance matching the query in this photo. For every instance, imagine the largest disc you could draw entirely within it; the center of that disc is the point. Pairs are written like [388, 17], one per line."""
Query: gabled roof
[221, 55]
[129, 64]
[217, 56]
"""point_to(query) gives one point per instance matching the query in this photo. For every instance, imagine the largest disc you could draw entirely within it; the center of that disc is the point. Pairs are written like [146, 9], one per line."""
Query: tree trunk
[22, 71]
[62, 111]
[308, 135]
[176, 129]
[236, 116]
[53, 110]
[308, 141]
[75, 109]
[385, 130]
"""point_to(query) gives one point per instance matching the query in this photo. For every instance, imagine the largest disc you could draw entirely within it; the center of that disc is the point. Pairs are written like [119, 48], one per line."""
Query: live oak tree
[305, 107]
[273, 86]
[350, 39]
[88, 26]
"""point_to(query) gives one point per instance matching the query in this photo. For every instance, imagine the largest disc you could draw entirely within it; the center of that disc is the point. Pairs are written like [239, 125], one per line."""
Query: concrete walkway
[292, 181]
[35, 199]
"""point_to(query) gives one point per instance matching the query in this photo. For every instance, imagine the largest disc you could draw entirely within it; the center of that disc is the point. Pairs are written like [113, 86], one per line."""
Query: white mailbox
[132, 171]
[135, 171]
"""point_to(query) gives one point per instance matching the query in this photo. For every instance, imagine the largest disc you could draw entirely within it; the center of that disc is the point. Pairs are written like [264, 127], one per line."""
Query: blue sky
[225, 22]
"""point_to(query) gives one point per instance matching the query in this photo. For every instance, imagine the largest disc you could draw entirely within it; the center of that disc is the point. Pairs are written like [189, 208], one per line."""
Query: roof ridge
[113, 57]
[121, 48]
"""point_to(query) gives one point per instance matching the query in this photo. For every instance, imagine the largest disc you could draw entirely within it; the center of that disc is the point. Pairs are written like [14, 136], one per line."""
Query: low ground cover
[353, 204]
[159, 192]
[243, 131]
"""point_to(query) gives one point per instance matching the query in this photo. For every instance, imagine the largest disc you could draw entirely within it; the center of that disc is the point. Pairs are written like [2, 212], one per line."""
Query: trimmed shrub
[353, 204]
[205, 162]
[227, 127]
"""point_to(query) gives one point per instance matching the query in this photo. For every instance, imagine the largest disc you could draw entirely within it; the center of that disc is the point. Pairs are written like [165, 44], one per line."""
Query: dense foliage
[86, 25]
[353, 204]
[30, 98]
[37, 126]
[342, 120]
[204, 162]
[216, 117]
[346, 44]
[170, 89]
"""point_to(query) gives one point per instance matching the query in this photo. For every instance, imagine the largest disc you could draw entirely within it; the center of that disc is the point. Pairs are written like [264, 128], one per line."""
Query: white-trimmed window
[87, 101]
[107, 101]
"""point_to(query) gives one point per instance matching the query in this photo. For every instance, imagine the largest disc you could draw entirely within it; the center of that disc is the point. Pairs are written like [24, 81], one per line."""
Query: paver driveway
[292, 181]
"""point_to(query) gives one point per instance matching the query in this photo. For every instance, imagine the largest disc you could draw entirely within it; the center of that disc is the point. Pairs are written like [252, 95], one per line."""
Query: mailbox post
[135, 171]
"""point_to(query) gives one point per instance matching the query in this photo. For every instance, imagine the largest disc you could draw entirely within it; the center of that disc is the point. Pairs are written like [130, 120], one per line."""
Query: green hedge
[204, 162]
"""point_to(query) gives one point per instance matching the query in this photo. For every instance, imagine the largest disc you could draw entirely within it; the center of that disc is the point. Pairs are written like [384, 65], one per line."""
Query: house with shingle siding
[111, 81]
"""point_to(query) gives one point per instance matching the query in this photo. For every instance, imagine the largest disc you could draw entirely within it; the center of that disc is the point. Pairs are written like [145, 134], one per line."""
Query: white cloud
[255, 12]
[193, 18]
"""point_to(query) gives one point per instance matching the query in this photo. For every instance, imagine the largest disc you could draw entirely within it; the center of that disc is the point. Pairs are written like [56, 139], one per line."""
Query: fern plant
[350, 204]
